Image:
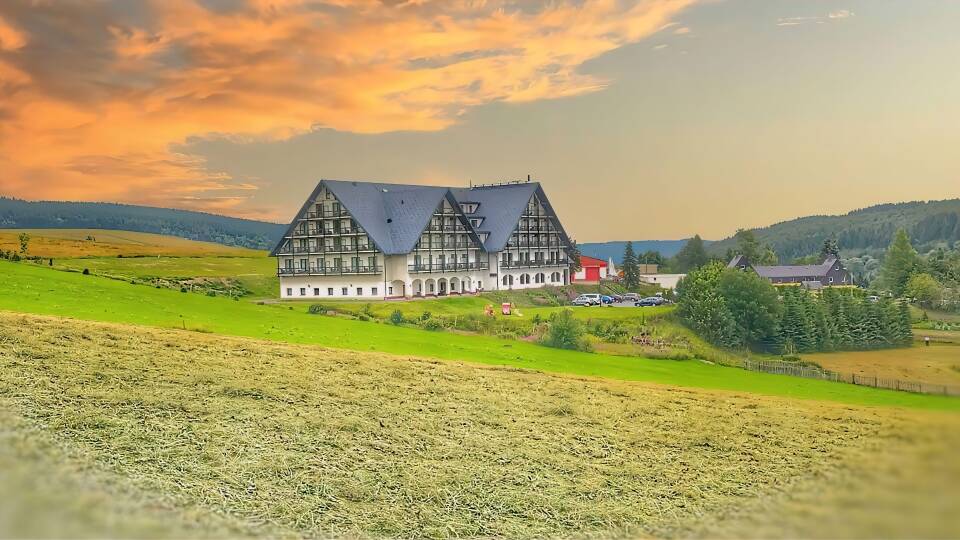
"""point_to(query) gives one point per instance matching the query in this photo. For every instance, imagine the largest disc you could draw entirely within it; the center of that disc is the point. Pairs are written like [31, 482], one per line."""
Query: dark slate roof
[393, 215]
[500, 207]
[796, 271]
[737, 261]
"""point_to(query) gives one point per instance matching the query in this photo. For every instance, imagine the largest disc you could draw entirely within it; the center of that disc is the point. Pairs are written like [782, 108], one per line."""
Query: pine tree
[631, 272]
[899, 262]
[905, 325]
[692, 256]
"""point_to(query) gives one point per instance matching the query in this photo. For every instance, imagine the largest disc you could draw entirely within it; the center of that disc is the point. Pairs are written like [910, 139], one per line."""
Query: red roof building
[591, 270]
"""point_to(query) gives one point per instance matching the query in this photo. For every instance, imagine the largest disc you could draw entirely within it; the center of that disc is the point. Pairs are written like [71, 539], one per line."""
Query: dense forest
[615, 249]
[865, 231]
[19, 214]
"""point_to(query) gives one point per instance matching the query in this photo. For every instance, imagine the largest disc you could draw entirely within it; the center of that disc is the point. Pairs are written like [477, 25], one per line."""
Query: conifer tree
[899, 262]
[631, 272]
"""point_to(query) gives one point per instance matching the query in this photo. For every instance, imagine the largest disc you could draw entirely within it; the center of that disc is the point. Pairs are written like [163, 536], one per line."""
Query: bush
[182, 289]
[211, 293]
[86, 271]
[432, 324]
[396, 317]
[316, 309]
[566, 332]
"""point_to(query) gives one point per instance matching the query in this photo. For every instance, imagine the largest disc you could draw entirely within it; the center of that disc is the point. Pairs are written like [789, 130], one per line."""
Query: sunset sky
[645, 119]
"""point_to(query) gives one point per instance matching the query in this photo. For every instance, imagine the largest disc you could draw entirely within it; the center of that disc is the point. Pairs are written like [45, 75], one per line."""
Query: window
[372, 263]
[355, 263]
[316, 291]
[831, 280]
[359, 291]
[289, 291]
[288, 263]
[389, 291]
[344, 292]
[373, 291]
[303, 291]
[329, 291]
[338, 263]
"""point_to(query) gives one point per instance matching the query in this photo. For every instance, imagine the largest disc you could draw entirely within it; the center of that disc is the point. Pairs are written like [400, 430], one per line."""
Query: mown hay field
[178, 431]
[59, 243]
[938, 363]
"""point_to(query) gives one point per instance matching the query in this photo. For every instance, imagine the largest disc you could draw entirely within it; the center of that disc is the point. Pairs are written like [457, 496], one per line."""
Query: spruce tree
[631, 272]
[692, 256]
[899, 262]
[905, 325]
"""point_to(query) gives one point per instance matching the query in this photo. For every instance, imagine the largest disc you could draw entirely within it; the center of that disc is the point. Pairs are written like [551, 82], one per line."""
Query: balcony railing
[447, 245]
[447, 267]
[331, 214]
[325, 249]
[328, 270]
[534, 263]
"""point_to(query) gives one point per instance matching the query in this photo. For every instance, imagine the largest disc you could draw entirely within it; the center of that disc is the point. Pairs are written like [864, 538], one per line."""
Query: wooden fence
[813, 372]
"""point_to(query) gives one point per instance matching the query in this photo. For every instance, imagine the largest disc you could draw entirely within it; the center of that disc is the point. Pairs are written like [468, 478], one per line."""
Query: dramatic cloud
[95, 96]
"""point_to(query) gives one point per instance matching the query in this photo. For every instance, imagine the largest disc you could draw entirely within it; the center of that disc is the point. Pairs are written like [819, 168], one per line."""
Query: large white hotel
[377, 241]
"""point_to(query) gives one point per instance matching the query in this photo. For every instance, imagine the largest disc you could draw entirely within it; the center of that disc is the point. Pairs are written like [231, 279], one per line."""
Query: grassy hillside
[59, 243]
[19, 214]
[163, 429]
[36, 289]
[868, 230]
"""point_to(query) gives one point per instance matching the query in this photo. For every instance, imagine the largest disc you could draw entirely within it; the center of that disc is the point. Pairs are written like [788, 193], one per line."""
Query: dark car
[616, 298]
[650, 301]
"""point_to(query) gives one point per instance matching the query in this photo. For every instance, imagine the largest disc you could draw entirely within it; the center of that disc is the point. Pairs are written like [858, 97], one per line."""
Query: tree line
[736, 309]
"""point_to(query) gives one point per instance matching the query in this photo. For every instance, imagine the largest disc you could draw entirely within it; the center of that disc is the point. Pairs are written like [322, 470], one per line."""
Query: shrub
[396, 317]
[316, 309]
[425, 315]
[432, 324]
[368, 310]
[182, 289]
[86, 271]
[211, 293]
[566, 332]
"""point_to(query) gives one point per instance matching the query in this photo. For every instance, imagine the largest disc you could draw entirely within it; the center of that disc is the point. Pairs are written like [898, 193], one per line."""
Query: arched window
[541, 278]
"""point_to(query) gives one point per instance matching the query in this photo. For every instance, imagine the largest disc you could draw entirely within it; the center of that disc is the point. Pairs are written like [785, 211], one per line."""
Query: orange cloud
[94, 104]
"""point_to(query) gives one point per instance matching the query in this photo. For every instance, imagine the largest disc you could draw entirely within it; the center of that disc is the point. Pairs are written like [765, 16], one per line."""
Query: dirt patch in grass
[310, 441]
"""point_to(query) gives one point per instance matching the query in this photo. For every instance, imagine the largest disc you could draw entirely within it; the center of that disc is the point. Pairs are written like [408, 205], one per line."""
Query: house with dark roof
[378, 240]
[829, 272]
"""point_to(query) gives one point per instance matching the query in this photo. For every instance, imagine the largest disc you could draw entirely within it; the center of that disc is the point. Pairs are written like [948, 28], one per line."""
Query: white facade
[665, 281]
[327, 254]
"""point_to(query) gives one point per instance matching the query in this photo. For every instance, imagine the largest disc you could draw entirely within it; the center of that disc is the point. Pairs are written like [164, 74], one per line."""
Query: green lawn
[35, 289]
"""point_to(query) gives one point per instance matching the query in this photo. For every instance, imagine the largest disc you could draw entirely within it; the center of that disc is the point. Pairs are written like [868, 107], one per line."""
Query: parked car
[631, 297]
[606, 299]
[650, 301]
[617, 298]
[592, 299]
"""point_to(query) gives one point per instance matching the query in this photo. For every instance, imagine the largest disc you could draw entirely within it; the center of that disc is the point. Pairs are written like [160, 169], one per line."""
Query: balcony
[325, 249]
[328, 270]
[325, 215]
[534, 263]
[446, 267]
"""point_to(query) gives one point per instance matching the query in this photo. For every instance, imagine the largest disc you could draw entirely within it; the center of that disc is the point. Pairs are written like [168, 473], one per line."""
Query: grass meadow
[152, 432]
[36, 289]
[70, 243]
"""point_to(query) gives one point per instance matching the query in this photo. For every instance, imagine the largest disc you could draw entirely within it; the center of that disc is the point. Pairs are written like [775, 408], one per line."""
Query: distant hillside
[19, 214]
[868, 230]
[606, 250]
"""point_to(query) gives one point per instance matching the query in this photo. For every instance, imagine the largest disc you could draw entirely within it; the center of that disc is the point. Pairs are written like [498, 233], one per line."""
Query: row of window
[344, 291]
[336, 263]
[539, 277]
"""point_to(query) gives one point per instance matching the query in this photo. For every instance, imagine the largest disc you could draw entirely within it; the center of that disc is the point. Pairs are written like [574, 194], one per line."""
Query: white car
[587, 300]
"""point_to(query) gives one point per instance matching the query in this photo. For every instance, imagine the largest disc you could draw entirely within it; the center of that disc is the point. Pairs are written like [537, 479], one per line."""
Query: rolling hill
[867, 230]
[20, 214]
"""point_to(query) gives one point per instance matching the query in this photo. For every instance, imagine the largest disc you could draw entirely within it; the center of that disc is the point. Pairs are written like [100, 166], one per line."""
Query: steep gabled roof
[797, 271]
[501, 206]
[586, 260]
[393, 215]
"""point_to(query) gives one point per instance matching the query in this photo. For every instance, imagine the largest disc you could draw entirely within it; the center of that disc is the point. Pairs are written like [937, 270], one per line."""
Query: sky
[646, 119]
